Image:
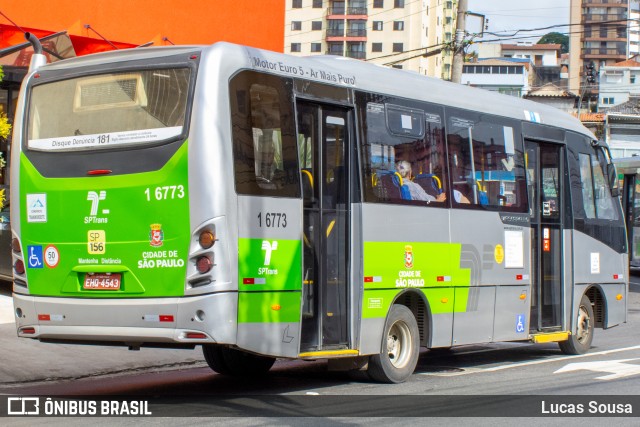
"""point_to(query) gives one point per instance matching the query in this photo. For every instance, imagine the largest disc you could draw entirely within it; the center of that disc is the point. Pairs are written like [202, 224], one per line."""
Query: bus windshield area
[102, 111]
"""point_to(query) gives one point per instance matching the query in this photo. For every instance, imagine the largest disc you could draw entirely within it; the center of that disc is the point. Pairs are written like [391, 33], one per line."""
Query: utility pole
[458, 50]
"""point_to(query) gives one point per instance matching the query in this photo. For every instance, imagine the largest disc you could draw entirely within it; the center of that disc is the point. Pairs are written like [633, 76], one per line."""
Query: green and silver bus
[251, 202]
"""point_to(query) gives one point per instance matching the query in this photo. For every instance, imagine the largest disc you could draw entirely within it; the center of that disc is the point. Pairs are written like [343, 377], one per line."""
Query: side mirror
[612, 176]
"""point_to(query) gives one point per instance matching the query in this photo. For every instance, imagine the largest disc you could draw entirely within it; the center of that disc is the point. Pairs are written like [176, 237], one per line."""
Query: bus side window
[596, 196]
[486, 161]
[265, 159]
[397, 133]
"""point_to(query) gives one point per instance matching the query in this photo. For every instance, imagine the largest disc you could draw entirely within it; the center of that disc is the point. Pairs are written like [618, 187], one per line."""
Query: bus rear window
[108, 110]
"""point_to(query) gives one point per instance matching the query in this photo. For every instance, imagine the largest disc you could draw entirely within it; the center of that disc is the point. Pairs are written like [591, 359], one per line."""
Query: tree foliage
[556, 38]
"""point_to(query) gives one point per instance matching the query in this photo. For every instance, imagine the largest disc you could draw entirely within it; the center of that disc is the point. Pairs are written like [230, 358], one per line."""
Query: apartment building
[599, 33]
[634, 29]
[395, 33]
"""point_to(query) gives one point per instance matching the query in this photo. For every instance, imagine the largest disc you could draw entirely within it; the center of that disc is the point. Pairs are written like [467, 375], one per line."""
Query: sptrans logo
[95, 197]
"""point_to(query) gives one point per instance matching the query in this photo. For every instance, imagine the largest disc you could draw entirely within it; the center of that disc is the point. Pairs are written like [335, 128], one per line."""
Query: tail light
[206, 239]
[18, 267]
[15, 246]
[203, 264]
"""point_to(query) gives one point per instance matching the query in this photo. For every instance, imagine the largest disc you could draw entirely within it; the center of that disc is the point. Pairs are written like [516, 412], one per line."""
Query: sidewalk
[26, 360]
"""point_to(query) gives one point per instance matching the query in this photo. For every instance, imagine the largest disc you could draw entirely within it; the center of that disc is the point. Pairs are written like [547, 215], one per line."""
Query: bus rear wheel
[400, 348]
[236, 363]
[580, 341]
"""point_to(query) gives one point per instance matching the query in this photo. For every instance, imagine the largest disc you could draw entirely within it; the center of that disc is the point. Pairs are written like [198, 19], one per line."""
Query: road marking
[617, 368]
[6, 310]
[472, 370]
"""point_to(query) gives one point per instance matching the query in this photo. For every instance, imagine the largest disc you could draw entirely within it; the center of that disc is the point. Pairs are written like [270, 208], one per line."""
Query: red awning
[16, 51]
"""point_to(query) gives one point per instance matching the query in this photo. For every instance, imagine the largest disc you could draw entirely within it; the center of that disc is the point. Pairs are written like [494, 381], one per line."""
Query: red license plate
[106, 282]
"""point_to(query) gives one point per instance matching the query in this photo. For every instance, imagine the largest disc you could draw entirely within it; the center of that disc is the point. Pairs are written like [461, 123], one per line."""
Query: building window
[296, 4]
[449, 5]
[377, 25]
[632, 78]
[316, 47]
[398, 47]
[398, 25]
[295, 47]
[398, 4]
[296, 25]
[608, 101]
[376, 47]
[317, 4]
[398, 66]
[378, 4]
[316, 25]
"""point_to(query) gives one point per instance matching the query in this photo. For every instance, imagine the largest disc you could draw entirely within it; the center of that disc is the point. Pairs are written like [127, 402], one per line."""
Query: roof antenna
[38, 59]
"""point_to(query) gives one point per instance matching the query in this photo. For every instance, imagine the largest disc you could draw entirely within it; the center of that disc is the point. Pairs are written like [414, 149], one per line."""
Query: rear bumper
[129, 321]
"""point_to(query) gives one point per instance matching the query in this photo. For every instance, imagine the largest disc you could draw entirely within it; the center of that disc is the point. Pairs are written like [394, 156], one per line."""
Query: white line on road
[533, 362]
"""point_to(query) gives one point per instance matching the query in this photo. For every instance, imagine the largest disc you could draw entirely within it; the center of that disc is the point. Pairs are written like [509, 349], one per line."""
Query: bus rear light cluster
[203, 264]
[28, 330]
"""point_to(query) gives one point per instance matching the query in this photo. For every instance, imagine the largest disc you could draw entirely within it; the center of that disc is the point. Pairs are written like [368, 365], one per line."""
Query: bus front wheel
[400, 348]
[236, 363]
[580, 340]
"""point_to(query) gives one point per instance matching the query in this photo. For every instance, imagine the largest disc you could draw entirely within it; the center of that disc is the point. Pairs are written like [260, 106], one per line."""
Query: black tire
[236, 363]
[580, 339]
[400, 348]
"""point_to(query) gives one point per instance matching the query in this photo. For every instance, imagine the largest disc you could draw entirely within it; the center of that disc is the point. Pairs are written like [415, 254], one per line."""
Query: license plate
[107, 282]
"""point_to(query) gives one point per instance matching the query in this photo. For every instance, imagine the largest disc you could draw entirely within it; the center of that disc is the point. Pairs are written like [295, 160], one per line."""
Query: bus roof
[351, 73]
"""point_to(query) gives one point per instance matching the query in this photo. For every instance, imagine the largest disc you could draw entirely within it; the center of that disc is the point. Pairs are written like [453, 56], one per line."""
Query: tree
[556, 38]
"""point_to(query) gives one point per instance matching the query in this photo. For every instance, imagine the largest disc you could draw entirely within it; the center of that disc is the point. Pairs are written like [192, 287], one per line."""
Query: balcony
[335, 32]
[335, 11]
[604, 3]
[603, 53]
[356, 11]
[357, 33]
[356, 54]
[593, 18]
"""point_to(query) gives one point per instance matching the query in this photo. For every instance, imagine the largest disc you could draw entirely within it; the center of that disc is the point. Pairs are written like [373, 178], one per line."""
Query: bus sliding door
[323, 138]
[545, 171]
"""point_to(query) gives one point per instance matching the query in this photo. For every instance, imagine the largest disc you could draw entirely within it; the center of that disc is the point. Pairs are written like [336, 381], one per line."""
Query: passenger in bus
[415, 190]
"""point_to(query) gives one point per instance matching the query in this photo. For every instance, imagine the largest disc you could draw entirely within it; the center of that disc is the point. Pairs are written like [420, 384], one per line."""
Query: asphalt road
[506, 370]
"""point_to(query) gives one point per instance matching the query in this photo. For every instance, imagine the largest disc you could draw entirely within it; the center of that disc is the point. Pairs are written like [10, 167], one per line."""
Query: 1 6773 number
[272, 219]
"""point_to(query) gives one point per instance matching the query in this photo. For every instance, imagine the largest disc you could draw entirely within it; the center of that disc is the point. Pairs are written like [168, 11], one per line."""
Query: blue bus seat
[430, 183]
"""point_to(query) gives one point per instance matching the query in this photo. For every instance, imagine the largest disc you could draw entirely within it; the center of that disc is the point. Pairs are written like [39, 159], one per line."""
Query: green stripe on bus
[268, 307]
[432, 268]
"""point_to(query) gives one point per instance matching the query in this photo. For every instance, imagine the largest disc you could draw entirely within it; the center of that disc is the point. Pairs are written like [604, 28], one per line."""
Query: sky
[507, 16]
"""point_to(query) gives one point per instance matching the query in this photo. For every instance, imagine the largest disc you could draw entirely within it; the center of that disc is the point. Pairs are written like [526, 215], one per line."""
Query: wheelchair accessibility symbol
[520, 319]
[35, 257]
